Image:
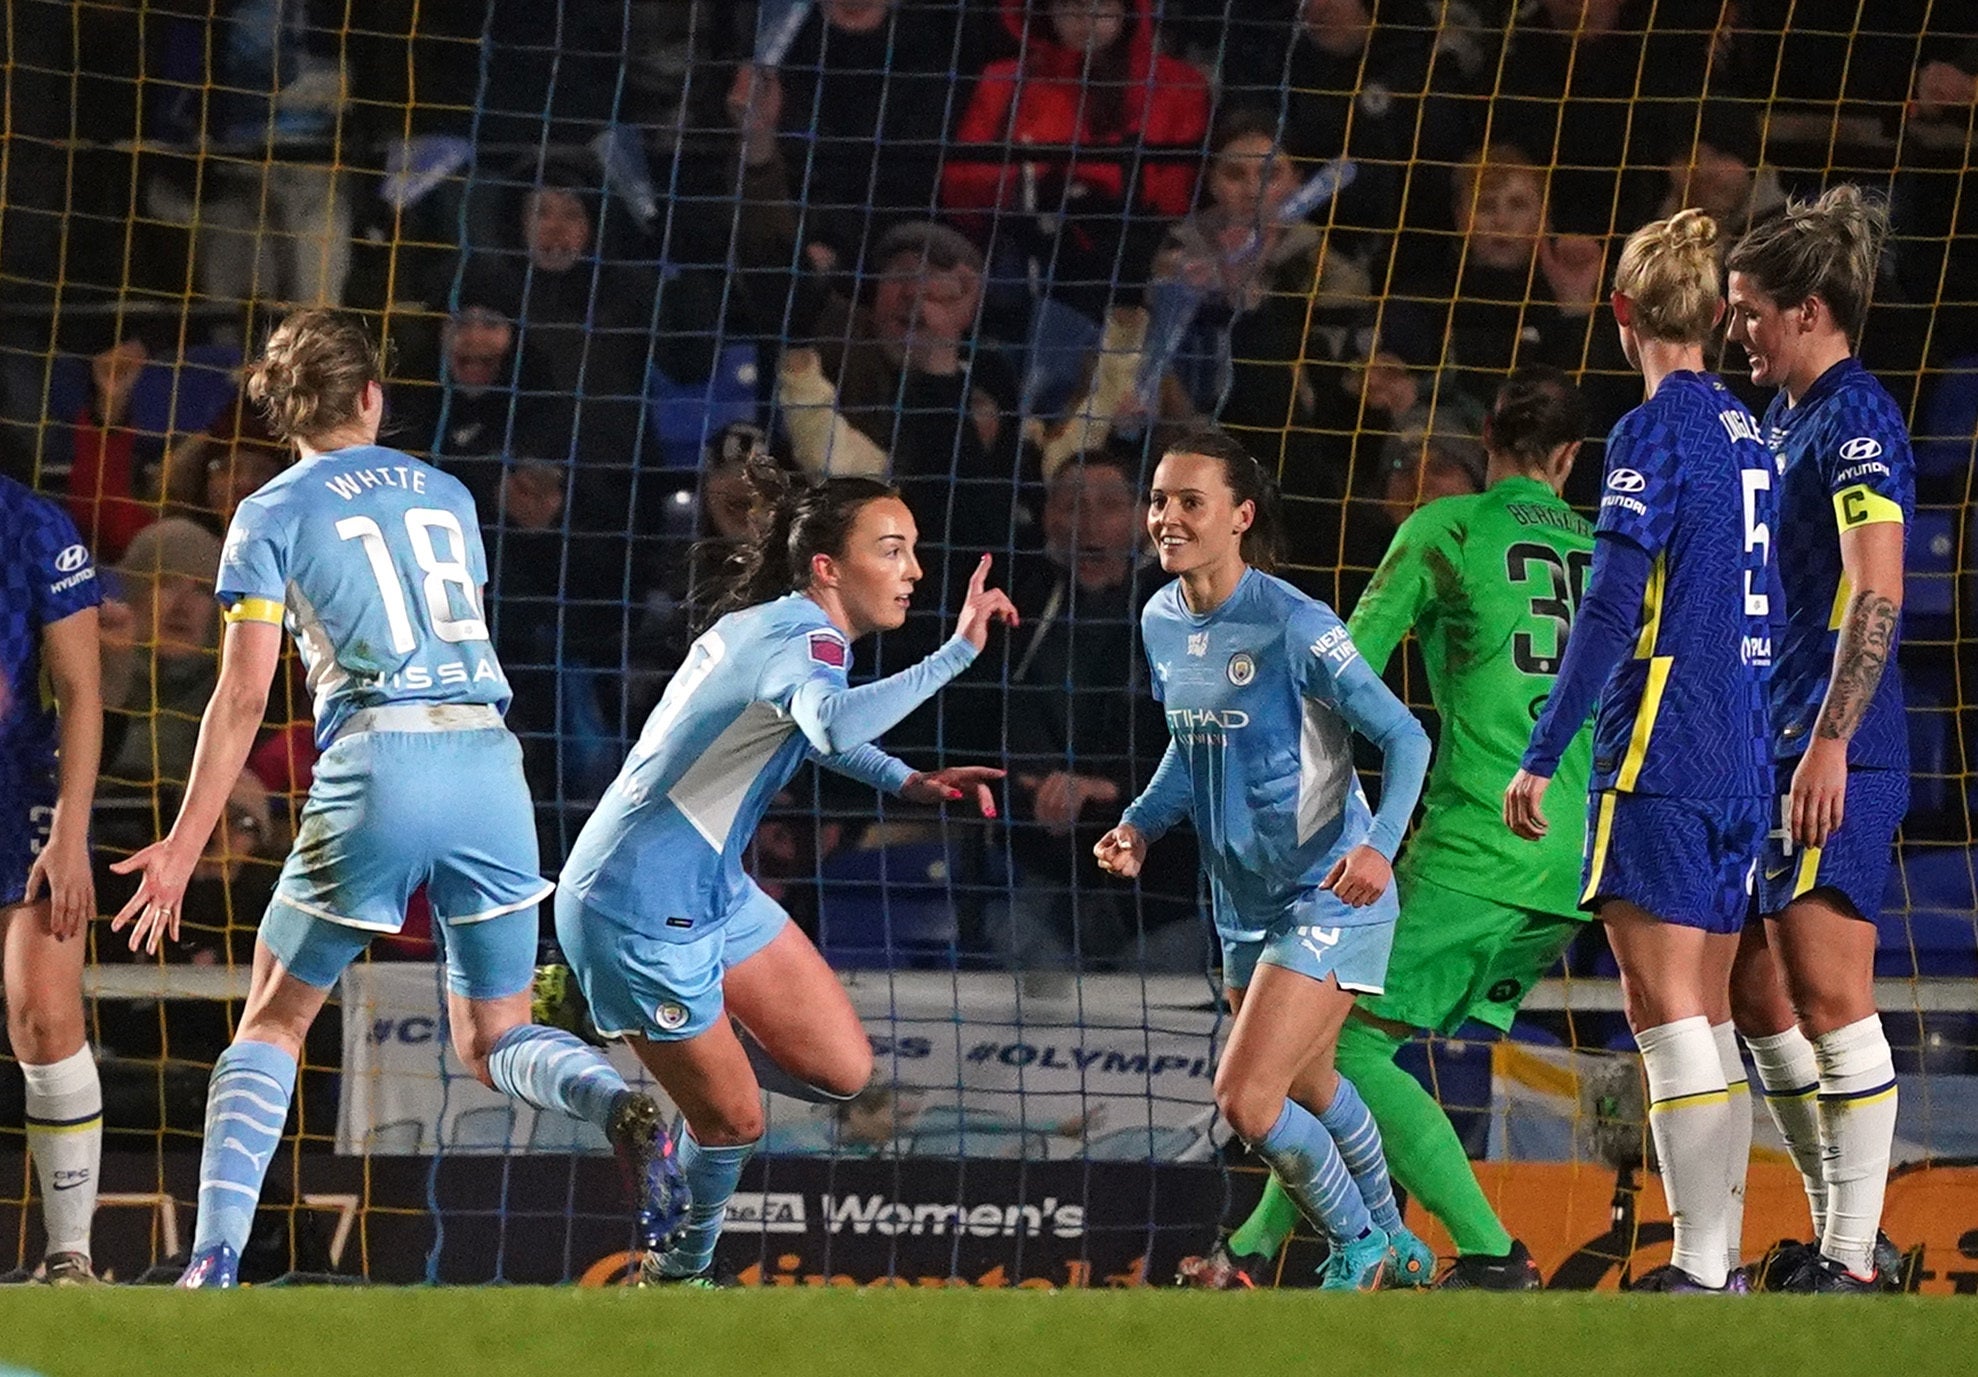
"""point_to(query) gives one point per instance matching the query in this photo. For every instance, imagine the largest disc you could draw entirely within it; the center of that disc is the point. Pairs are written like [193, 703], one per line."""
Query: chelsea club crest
[1242, 669]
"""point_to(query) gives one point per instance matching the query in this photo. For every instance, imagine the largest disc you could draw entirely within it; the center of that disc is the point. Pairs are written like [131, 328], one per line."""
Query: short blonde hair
[1670, 271]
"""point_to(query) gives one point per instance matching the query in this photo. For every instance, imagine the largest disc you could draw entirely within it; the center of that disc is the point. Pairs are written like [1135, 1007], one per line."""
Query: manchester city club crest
[1242, 669]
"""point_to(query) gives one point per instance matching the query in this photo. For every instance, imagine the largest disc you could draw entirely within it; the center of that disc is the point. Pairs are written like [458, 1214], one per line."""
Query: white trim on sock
[1858, 1123]
[1791, 1076]
[1690, 1116]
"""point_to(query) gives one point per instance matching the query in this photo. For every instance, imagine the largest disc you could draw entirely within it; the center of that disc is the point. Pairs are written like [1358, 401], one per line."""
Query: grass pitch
[575, 1333]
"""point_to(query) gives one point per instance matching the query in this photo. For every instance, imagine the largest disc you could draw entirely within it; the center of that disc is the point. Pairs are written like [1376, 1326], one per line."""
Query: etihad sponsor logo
[1207, 719]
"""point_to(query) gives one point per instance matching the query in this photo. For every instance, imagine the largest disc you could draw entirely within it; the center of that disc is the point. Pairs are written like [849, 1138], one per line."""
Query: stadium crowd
[998, 251]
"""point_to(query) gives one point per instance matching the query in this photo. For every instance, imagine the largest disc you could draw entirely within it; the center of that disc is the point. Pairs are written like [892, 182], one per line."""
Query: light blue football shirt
[1262, 697]
[373, 560]
[762, 691]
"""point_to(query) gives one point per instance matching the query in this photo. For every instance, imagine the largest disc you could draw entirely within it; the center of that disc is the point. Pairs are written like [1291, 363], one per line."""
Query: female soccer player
[1673, 636]
[1799, 289]
[667, 935]
[1488, 584]
[374, 560]
[1262, 688]
[48, 761]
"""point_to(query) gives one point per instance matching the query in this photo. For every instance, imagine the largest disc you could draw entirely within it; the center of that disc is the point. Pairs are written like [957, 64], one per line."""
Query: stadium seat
[685, 415]
[1929, 698]
[1948, 427]
[888, 906]
[1929, 609]
[1929, 922]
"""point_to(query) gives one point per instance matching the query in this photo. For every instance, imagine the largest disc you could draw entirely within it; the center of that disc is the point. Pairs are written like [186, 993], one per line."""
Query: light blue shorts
[391, 811]
[1355, 956]
[662, 991]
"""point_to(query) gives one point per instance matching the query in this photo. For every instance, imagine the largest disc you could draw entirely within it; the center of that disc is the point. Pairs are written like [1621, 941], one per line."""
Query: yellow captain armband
[255, 610]
[1862, 506]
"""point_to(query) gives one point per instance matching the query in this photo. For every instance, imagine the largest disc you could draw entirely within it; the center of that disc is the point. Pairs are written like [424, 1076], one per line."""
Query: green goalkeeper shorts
[1458, 957]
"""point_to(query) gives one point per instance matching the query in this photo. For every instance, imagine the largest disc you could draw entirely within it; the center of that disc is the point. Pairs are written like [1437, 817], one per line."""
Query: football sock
[1689, 1113]
[1423, 1150]
[1268, 1226]
[551, 1069]
[1307, 1161]
[1790, 1075]
[1858, 1125]
[65, 1138]
[712, 1173]
[246, 1107]
[1737, 1152]
[1353, 1129]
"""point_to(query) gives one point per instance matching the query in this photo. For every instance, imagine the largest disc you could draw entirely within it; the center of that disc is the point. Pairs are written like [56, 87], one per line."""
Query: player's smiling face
[1193, 517]
[1769, 334]
[875, 575]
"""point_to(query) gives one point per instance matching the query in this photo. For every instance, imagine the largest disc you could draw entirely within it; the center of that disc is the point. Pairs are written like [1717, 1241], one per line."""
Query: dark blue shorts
[30, 811]
[1686, 860]
[1856, 859]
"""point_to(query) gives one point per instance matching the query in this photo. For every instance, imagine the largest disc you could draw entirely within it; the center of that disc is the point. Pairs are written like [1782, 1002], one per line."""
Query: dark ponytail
[1537, 409]
[1249, 481]
[794, 520]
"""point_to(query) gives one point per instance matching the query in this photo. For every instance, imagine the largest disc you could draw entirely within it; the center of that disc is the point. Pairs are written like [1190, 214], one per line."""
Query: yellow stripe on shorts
[1603, 833]
[1809, 871]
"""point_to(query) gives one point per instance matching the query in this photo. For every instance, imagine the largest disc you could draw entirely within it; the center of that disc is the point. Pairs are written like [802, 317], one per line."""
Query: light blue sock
[711, 1174]
[1353, 1129]
[1307, 1163]
[551, 1069]
[246, 1106]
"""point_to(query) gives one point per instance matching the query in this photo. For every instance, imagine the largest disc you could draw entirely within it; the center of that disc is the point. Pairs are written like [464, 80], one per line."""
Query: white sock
[1737, 1150]
[65, 1138]
[1858, 1126]
[1689, 1112]
[1791, 1078]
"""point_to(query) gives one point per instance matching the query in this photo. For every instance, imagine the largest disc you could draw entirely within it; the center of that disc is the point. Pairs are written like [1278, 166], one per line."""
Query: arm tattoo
[1866, 635]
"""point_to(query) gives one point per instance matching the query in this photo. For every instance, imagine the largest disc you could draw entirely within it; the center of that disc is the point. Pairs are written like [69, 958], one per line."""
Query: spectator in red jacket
[1088, 136]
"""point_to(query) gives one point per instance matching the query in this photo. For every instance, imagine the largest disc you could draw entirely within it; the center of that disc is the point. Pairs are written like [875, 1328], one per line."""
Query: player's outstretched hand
[1122, 851]
[1819, 793]
[983, 606]
[62, 869]
[956, 782]
[160, 891]
[1524, 805]
[1359, 877]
